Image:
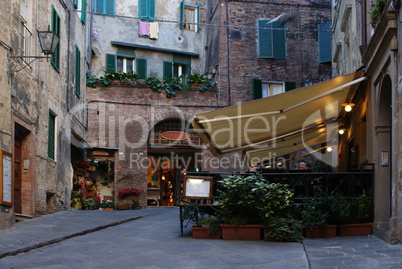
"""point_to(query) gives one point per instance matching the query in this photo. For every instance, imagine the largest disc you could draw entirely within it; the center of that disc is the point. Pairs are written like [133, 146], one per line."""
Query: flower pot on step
[204, 233]
[321, 231]
[241, 232]
[355, 229]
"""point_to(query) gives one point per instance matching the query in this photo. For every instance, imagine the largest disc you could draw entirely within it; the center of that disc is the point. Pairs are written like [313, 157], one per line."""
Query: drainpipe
[228, 49]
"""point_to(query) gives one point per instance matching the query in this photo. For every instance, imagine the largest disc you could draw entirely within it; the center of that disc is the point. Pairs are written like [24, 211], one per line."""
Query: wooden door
[17, 177]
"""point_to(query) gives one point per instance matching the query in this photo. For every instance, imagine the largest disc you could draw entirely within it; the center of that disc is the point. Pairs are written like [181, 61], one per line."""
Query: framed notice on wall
[197, 187]
[6, 173]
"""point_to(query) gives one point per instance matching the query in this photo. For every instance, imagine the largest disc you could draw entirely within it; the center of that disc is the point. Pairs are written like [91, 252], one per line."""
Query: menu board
[7, 179]
[198, 187]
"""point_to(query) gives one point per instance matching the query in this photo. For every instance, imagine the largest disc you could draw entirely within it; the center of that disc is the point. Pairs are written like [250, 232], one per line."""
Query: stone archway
[383, 183]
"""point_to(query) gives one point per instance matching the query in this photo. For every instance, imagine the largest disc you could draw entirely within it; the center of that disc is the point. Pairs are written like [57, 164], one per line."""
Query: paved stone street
[150, 238]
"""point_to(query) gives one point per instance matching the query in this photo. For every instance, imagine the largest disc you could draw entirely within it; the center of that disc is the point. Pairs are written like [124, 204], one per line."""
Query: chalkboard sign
[6, 172]
[197, 187]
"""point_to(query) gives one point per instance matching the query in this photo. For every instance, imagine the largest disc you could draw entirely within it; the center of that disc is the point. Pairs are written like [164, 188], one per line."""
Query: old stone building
[147, 134]
[39, 126]
[371, 42]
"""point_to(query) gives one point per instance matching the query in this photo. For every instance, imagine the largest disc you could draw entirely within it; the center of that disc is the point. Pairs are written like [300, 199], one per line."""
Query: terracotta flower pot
[355, 229]
[321, 231]
[241, 232]
[204, 233]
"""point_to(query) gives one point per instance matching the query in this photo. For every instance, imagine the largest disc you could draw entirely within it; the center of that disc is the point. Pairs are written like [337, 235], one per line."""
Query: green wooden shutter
[278, 40]
[99, 6]
[77, 78]
[51, 136]
[84, 10]
[324, 43]
[110, 63]
[110, 7]
[264, 39]
[257, 89]
[289, 85]
[55, 27]
[152, 9]
[141, 68]
[198, 17]
[167, 70]
[75, 3]
[142, 8]
[182, 14]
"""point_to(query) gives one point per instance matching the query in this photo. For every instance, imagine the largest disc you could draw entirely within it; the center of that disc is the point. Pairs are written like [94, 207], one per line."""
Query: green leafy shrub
[285, 230]
[377, 7]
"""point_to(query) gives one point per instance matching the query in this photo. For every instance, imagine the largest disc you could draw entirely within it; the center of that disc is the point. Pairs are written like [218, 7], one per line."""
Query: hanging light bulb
[341, 131]
[329, 149]
[348, 106]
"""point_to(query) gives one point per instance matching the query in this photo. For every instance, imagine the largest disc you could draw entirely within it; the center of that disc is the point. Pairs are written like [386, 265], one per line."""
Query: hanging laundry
[144, 28]
[153, 30]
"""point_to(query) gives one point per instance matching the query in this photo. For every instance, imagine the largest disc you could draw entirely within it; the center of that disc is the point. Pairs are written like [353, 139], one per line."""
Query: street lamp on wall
[48, 41]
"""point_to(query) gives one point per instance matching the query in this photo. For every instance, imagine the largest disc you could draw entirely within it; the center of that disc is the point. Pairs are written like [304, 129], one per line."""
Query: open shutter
[99, 6]
[75, 3]
[84, 10]
[110, 7]
[264, 39]
[198, 26]
[182, 15]
[289, 85]
[142, 8]
[324, 43]
[167, 70]
[279, 40]
[55, 27]
[51, 136]
[257, 89]
[141, 68]
[77, 81]
[110, 63]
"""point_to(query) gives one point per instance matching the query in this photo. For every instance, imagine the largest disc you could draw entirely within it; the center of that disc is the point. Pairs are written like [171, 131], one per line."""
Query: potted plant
[377, 7]
[284, 229]
[76, 201]
[196, 79]
[318, 217]
[207, 227]
[357, 216]
[248, 202]
[106, 205]
[89, 204]
[135, 204]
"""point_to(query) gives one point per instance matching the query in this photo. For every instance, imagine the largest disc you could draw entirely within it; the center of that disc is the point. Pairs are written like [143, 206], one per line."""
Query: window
[146, 9]
[126, 63]
[77, 72]
[55, 27]
[271, 40]
[324, 42]
[106, 7]
[51, 146]
[24, 40]
[262, 89]
[181, 66]
[189, 17]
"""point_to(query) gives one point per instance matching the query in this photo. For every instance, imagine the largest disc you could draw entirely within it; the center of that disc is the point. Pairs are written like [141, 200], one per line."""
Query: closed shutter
[167, 70]
[99, 6]
[198, 26]
[110, 7]
[257, 89]
[110, 63]
[75, 3]
[289, 85]
[142, 8]
[152, 9]
[77, 81]
[264, 40]
[279, 41]
[51, 136]
[141, 68]
[324, 43]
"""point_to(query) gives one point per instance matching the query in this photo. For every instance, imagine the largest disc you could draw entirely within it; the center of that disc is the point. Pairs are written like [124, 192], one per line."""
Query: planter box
[241, 232]
[355, 229]
[320, 231]
[204, 233]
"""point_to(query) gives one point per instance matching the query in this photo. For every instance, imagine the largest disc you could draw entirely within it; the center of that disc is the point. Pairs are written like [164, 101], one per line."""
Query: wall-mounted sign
[197, 187]
[384, 158]
[6, 172]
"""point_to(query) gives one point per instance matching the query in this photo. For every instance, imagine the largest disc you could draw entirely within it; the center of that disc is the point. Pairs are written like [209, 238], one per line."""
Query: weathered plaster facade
[31, 92]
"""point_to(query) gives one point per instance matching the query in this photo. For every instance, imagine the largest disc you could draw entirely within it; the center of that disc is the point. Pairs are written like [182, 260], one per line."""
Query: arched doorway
[384, 156]
[172, 147]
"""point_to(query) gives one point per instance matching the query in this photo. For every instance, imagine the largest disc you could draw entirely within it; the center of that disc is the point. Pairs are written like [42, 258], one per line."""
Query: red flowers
[128, 191]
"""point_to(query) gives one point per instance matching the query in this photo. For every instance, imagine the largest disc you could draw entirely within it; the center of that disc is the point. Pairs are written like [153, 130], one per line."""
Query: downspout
[68, 55]
[228, 49]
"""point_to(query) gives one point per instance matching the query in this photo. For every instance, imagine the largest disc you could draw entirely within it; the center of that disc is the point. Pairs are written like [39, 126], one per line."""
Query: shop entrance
[164, 170]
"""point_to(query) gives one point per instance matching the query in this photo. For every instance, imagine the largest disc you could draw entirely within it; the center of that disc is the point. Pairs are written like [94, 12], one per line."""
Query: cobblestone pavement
[150, 238]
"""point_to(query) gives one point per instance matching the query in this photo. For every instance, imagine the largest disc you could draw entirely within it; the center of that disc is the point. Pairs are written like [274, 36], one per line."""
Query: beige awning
[280, 124]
